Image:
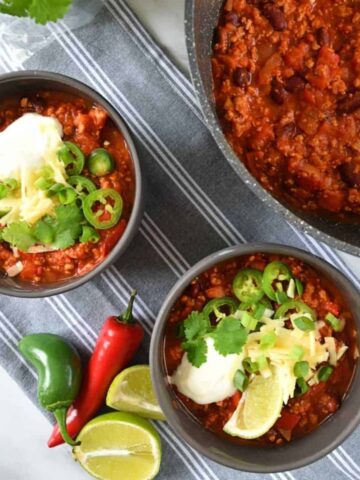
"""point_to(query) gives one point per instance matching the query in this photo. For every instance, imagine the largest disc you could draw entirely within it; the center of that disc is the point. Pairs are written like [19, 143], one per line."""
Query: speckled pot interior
[22, 83]
[295, 454]
[201, 17]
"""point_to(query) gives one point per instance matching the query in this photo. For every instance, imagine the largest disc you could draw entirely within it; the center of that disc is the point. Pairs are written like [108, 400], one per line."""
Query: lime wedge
[258, 409]
[132, 391]
[119, 445]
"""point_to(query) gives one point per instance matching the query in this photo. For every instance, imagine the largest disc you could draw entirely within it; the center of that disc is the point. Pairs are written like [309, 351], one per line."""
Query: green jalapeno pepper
[251, 307]
[72, 157]
[59, 374]
[82, 185]
[297, 306]
[217, 304]
[247, 285]
[103, 208]
[275, 273]
[100, 162]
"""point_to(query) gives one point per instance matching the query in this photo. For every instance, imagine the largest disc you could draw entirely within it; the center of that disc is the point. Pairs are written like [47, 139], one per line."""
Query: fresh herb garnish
[229, 336]
[19, 235]
[196, 351]
[297, 352]
[325, 373]
[196, 325]
[42, 11]
[268, 340]
[301, 369]
[304, 324]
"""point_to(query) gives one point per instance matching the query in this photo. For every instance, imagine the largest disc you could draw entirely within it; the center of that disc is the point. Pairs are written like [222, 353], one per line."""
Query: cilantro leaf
[67, 225]
[43, 231]
[196, 325]
[229, 336]
[19, 235]
[196, 351]
[41, 11]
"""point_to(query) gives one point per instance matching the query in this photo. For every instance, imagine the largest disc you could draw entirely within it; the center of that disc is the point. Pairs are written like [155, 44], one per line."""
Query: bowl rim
[162, 389]
[137, 209]
[215, 129]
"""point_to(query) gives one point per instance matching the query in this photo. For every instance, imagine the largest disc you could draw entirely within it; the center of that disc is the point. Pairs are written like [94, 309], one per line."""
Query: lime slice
[119, 445]
[132, 391]
[258, 409]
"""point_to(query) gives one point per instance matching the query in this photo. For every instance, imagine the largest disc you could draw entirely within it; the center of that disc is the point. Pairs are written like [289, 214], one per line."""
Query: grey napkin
[195, 205]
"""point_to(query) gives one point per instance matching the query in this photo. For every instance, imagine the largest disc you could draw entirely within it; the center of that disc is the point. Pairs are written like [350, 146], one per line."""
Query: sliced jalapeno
[251, 307]
[274, 275]
[82, 185]
[103, 208]
[294, 306]
[100, 162]
[247, 285]
[72, 157]
[217, 305]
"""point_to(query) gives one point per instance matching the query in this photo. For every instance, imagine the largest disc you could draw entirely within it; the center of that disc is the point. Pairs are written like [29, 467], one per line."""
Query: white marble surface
[23, 429]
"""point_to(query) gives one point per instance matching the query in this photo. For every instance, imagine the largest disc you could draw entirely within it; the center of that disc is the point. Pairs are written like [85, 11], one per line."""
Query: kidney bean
[275, 16]
[322, 36]
[294, 83]
[233, 17]
[350, 172]
[349, 103]
[241, 77]
[277, 93]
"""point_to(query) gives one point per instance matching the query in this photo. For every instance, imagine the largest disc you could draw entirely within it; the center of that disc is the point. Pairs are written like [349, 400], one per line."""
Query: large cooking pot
[201, 17]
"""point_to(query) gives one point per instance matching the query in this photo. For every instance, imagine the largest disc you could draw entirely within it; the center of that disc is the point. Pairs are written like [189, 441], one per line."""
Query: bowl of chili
[279, 92]
[71, 199]
[254, 357]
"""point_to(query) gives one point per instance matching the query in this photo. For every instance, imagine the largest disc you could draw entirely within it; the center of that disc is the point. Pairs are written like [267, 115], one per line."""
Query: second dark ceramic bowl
[295, 454]
[25, 82]
[201, 17]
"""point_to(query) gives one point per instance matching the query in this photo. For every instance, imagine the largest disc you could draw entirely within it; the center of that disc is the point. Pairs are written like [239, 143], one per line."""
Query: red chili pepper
[118, 341]
[287, 421]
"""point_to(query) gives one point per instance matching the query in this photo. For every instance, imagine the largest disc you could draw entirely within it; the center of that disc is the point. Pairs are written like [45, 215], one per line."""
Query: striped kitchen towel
[195, 205]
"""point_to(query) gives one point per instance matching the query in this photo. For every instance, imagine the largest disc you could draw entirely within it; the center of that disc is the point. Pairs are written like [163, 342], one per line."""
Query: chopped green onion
[281, 297]
[301, 369]
[241, 381]
[248, 321]
[55, 189]
[262, 362]
[303, 386]
[43, 183]
[259, 311]
[304, 324]
[249, 366]
[290, 292]
[268, 340]
[325, 373]
[299, 287]
[336, 324]
[43, 232]
[11, 183]
[67, 196]
[4, 191]
[89, 234]
[297, 352]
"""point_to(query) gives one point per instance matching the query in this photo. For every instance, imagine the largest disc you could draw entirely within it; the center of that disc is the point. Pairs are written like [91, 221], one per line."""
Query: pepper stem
[127, 317]
[60, 415]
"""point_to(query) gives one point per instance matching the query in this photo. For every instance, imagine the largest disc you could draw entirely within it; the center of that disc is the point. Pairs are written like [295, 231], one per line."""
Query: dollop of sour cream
[212, 381]
[29, 143]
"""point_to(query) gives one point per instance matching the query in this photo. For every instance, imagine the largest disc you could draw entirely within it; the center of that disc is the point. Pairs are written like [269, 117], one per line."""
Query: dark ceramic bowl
[201, 17]
[295, 454]
[25, 82]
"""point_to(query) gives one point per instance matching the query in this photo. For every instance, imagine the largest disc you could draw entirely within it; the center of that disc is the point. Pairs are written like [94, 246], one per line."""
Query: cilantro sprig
[42, 11]
[229, 336]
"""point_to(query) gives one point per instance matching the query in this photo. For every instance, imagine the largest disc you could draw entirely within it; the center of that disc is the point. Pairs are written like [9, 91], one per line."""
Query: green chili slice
[294, 306]
[82, 185]
[89, 234]
[274, 275]
[302, 386]
[247, 285]
[72, 157]
[103, 208]
[67, 196]
[325, 373]
[221, 307]
[100, 162]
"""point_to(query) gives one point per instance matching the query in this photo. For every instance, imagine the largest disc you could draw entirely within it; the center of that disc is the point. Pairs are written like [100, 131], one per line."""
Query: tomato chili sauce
[303, 413]
[88, 126]
[287, 90]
